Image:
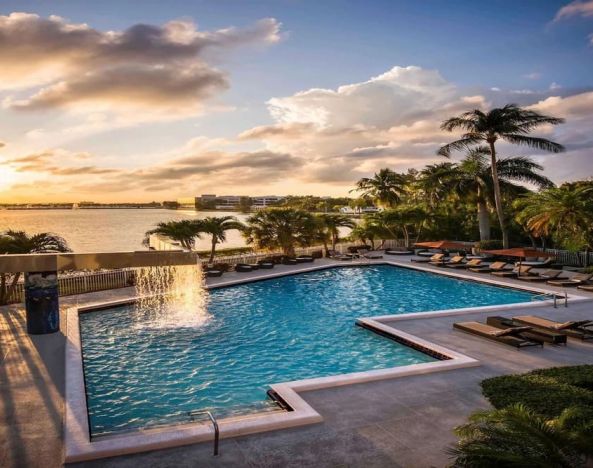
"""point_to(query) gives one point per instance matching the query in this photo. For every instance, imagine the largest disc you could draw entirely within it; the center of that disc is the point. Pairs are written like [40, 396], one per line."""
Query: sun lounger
[474, 263]
[588, 288]
[265, 265]
[522, 270]
[289, 261]
[496, 266]
[212, 273]
[509, 336]
[535, 333]
[339, 256]
[576, 280]
[244, 268]
[304, 259]
[545, 276]
[455, 261]
[576, 329]
[436, 258]
[398, 252]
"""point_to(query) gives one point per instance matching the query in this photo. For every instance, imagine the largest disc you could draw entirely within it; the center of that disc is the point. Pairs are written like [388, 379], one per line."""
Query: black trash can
[42, 303]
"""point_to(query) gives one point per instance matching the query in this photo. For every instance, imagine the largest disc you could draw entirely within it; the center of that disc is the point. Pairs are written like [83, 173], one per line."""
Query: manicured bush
[546, 391]
[492, 244]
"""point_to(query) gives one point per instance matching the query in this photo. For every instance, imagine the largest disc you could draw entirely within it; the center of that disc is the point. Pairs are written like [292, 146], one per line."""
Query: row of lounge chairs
[528, 330]
[266, 264]
[521, 272]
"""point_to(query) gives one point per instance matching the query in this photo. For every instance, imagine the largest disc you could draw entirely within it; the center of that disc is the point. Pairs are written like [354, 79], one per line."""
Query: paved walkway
[402, 422]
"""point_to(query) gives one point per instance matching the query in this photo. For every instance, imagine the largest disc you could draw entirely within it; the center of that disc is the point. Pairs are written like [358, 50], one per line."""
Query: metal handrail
[553, 296]
[214, 425]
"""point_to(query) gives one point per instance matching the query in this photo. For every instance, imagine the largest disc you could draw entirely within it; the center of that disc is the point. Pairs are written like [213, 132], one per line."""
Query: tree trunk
[213, 249]
[406, 236]
[498, 196]
[334, 241]
[483, 221]
[326, 248]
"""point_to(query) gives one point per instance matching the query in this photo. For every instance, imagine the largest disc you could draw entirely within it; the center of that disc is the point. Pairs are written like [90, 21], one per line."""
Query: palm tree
[473, 181]
[331, 224]
[284, 228]
[19, 242]
[386, 187]
[217, 227]
[184, 232]
[565, 212]
[509, 123]
[518, 437]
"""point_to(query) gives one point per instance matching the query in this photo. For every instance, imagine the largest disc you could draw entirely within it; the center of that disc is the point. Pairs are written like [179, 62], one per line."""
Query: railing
[568, 258]
[214, 425]
[553, 296]
[86, 282]
[70, 285]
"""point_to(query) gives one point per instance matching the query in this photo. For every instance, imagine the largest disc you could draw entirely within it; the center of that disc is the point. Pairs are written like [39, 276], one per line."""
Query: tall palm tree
[284, 228]
[217, 228]
[565, 212]
[518, 437]
[473, 181]
[185, 232]
[19, 242]
[509, 123]
[331, 224]
[386, 187]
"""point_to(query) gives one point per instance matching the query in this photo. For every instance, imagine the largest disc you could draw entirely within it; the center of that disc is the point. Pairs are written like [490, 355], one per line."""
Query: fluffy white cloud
[576, 8]
[66, 65]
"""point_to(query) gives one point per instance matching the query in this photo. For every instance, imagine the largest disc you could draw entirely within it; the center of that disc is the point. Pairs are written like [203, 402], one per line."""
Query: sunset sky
[152, 100]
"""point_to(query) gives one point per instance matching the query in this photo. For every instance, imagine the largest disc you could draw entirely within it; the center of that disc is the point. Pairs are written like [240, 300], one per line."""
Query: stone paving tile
[400, 422]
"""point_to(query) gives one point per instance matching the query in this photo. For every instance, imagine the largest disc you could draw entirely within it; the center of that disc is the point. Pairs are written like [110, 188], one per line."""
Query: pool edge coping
[77, 443]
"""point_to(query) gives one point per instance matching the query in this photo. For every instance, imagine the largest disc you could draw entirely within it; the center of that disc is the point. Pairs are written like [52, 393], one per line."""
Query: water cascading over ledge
[171, 296]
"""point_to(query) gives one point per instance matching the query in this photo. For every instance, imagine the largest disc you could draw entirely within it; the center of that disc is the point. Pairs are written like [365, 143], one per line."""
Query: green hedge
[546, 391]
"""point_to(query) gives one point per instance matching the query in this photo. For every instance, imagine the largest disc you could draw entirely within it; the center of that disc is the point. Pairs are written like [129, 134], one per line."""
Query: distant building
[188, 203]
[259, 203]
[366, 209]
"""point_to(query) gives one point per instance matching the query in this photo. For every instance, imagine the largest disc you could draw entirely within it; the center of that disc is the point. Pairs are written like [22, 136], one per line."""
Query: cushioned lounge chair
[372, 254]
[588, 288]
[213, 273]
[535, 333]
[522, 270]
[545, 276]
[436, 258]
[582, 329]
[244, 268]
[304, 259]
[398, 252]
[455, 261]
[473, 263]
[509, 336]
[544, 262]
[576, 280]
[496, 266]
[265, 265]
[339, 256]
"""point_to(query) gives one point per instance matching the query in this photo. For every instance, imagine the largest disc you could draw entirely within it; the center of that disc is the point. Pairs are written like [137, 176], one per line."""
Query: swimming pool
[284, 329]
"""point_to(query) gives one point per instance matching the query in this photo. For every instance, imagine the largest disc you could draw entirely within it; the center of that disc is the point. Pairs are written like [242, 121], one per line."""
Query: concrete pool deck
[404, 422]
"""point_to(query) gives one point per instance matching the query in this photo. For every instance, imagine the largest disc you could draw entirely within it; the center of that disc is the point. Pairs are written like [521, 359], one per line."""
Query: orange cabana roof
[520, 252]
[444, 244]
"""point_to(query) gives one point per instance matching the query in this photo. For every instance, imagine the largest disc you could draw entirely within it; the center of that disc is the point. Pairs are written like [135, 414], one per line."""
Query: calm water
[105, 230]
[278, 330]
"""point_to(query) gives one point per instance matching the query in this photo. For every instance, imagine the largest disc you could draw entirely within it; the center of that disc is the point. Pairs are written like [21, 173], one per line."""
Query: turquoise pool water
[271, 331]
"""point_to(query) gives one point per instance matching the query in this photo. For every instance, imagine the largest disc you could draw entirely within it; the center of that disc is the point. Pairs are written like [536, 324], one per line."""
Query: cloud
[533, 76]
[62, 64]
[576, 8]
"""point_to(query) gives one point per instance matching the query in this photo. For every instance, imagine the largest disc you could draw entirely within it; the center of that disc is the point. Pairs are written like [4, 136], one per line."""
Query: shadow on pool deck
[401, 422]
